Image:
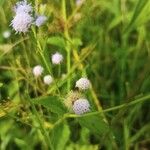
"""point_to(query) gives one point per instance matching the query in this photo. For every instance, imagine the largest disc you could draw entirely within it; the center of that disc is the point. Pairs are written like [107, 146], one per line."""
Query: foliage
[104, 40]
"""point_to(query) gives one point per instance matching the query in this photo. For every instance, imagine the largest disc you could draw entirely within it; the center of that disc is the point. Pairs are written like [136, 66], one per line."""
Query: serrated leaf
[95, 124]
[59, 136]
[56, 41]
[54, 103]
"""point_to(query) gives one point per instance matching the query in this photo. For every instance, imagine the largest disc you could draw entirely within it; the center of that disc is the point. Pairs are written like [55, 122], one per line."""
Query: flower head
[37, 70]
[79, 2]
[81, 106]
[6, 34]
[71, 98]
[83, 84]
[40, 20]
[23, 6]
[57, 58]
[22, 22]
[48, 79]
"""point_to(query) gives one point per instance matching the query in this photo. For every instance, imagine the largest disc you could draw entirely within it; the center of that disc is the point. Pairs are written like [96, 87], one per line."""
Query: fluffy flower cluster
[75, 100]
[48, 79]
[57, 58]
[23, 6]
[79, 2]
[71, 98]
[38, 70]
[81, 106]
[22, 22]
[6, 34]
[40, 20]
[83, 84]
[23, 19]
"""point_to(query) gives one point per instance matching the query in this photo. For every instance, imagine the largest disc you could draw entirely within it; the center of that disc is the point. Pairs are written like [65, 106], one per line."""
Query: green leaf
[95, 124]
[54, 103]
[139, 8]
[2, 2]
[76, 42]
[1, 84]
[56, 41]
[59, 136]
[22, 144]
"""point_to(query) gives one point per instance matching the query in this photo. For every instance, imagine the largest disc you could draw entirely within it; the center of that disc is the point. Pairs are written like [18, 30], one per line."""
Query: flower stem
[40, 51]
[66, 34]
[43, 131]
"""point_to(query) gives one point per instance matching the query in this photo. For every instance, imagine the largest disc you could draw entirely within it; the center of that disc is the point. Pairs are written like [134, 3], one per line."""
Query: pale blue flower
[40, 20]
[23, 6]
[22, 22]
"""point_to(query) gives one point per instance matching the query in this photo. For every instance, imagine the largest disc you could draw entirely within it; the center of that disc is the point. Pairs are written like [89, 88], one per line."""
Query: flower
[71, 98]
[57, 58]
[40, 20]
[81, 106]
[6, 34]
[38, 70]
[23, 6]
[23, 19]
[79, 2]
[83, 84]
[22, 22]
[48, 79]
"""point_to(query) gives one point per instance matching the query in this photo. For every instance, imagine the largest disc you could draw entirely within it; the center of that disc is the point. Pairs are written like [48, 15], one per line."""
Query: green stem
[66, 34]
[59, 70]
[120, 106]
[44, 132]
[40, 50]
[142, 99]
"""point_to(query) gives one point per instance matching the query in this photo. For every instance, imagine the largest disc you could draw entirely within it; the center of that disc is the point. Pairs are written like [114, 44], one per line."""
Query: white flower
[79, 2]
[57, 58]
[83, 84]
[22, 22]
[23, 6]
[38, 70]
[48, 79]
[40, 20]
[6, 34]
[81, 106]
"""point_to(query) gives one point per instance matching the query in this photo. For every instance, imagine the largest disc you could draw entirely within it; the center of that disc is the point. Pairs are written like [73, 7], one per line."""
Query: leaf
[21, 144]
[59, 136]
[5, 48]
[1, 84]
[139, 7]
[51, 102]
[2, 2]
[95, 124]
[56, 41]
[76, 42]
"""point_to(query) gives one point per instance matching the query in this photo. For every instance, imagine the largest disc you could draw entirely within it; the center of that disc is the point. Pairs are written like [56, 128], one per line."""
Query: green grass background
[106, 40]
